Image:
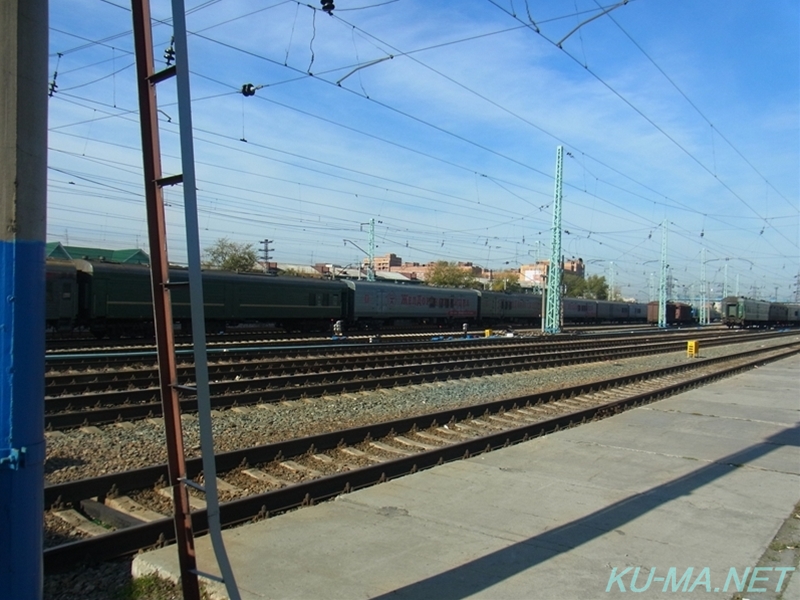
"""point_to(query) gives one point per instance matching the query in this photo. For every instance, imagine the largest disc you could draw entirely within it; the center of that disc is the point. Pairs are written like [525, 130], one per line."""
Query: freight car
[678, 313]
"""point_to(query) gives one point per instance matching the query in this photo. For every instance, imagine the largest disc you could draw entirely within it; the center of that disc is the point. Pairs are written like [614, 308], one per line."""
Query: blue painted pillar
[23, 184]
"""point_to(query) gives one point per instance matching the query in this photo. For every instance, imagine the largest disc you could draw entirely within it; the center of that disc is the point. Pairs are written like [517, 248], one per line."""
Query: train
[677, 313]
[114, 300]
[741, 312]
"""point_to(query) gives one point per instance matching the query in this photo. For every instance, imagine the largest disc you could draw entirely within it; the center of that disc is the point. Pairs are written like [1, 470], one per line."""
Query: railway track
[74, 400]
[263, 480]
[71, 344]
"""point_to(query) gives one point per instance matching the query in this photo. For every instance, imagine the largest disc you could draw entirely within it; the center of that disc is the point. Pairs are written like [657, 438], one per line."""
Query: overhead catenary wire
[490, 174]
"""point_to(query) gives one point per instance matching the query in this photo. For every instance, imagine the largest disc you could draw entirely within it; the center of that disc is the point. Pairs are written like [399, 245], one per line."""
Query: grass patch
[151, 587]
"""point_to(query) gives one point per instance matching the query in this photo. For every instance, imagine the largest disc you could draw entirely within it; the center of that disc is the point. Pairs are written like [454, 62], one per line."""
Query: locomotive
[110, 299]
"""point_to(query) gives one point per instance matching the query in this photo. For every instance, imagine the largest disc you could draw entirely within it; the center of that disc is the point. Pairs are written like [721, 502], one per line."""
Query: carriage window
[312, 299]
[66, 292]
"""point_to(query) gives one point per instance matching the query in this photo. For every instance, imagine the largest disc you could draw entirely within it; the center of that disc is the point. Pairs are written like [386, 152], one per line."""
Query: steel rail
[141, 403]
[127, 541]
[70, 382]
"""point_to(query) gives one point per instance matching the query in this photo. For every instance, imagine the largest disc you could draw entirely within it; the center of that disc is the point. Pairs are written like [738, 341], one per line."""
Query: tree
[296, 273]
[593, 287]
[575, 285]
[230, 256]
[506, 281]
[448, 274]
[596, 288]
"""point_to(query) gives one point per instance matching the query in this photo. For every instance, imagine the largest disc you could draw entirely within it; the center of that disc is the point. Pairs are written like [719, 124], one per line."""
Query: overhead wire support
[552, 322]
[662, 287]
[364, 66]
[589, 20]
[196, 299]
[154, 181]
[704, 312]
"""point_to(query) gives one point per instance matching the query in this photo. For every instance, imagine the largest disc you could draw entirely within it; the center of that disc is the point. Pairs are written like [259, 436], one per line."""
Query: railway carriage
[621, 312]
[793, 314]
[116, 299]
[576, 310]
[388, 304]
[778, 314]
[61, 295]
[637, 312]
[738, 311]
[501, 307]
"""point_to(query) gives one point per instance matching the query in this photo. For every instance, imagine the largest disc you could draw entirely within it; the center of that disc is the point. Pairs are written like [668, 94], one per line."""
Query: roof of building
[130, 256]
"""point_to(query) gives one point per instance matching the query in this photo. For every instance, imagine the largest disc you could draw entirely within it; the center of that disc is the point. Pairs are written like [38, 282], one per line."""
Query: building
[131, 256]
[535, 275]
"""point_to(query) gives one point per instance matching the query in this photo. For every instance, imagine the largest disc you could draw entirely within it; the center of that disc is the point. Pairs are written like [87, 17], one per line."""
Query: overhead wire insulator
[248, 89]
[327, 6]
[169, 53]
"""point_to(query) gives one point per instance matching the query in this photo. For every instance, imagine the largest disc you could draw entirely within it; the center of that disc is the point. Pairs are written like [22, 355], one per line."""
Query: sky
[441, 121]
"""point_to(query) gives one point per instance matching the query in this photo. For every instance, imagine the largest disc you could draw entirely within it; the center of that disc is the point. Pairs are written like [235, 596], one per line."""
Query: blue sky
[670, 110]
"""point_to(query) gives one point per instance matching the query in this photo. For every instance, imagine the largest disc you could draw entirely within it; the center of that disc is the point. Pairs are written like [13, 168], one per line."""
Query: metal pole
[196, 298]
[23, 185]
[703, 293]
[553, 313]
[662, 287]
[725, 281]
[162, 308]
[611, 275]
[371, 270]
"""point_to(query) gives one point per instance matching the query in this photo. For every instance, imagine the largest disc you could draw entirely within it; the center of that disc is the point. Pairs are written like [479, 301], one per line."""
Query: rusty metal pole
[162, 308]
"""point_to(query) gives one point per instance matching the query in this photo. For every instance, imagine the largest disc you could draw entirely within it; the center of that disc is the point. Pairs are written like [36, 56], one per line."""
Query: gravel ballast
[76, 454]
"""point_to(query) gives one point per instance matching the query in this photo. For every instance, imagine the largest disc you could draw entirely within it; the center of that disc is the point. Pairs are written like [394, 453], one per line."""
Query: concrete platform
[702, 480]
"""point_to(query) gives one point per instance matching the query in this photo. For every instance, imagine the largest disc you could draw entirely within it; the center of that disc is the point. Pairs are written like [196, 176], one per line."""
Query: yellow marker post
[692, 349]
[487, 332]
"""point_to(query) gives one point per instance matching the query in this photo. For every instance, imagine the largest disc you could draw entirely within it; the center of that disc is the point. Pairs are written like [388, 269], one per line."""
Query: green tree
[230, 256]
[575, 285]
[448, 274]
[593, 287]
[296, 273]
[596, 288]
[506, 281]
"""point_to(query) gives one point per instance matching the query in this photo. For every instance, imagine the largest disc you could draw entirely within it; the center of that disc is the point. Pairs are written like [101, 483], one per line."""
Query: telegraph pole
[23, 191]
[265, 253]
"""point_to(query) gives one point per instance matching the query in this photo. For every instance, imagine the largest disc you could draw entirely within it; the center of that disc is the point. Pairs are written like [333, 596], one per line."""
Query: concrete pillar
[23, 184]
